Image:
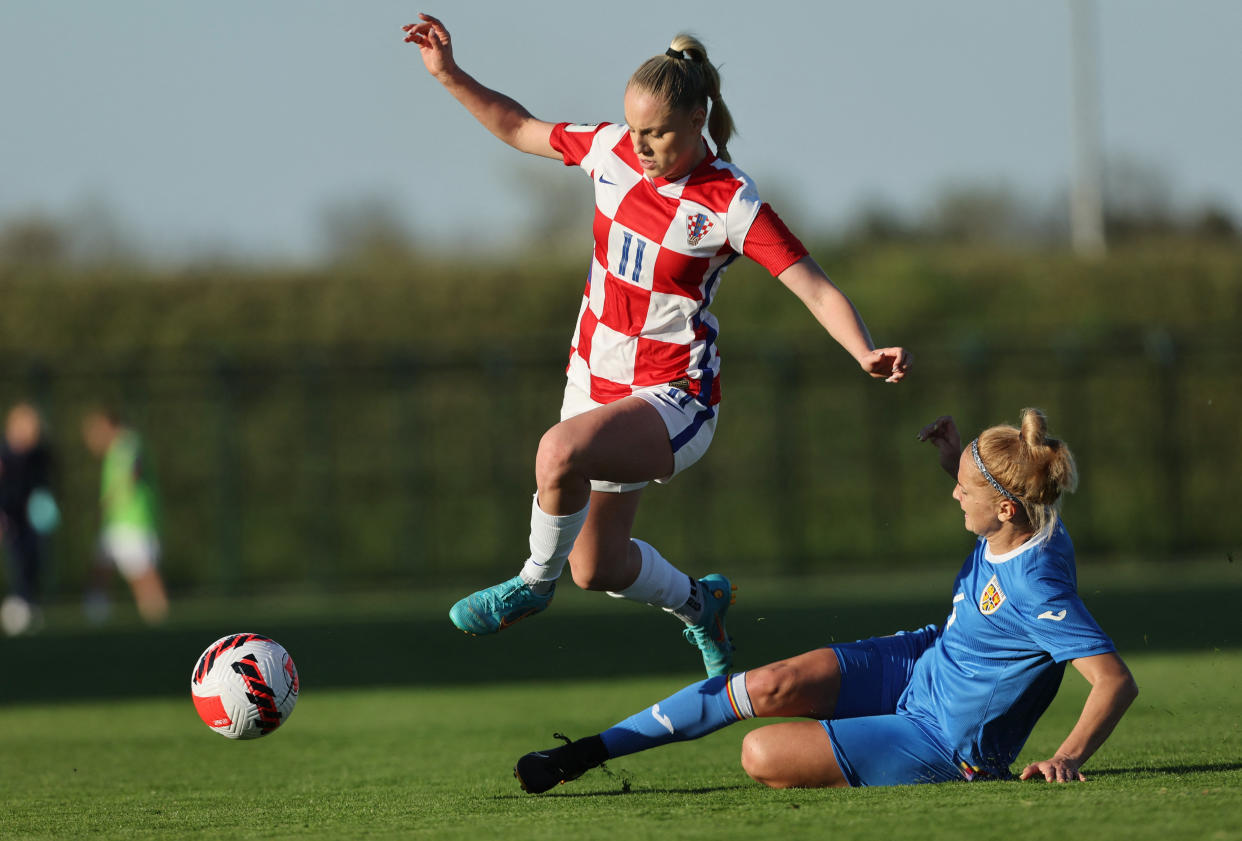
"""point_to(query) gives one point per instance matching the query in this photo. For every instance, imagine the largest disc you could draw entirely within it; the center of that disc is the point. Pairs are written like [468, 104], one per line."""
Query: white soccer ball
[244, 686]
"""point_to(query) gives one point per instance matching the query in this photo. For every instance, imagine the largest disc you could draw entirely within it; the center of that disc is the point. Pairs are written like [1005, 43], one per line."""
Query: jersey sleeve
[770, 243]
[575, 143]
[1057, 620]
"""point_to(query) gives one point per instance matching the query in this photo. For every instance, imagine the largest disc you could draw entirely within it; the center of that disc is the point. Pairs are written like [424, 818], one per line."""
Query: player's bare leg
[149, 594]
[625, 441]
[806, 685]
[614, 440]
[96, 605]
[796, 754]
[803, 686]
[604, 557]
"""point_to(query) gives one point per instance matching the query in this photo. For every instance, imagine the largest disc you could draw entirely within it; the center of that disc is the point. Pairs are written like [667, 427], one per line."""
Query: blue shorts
[889, 750]
[875, 671]
[873, 746]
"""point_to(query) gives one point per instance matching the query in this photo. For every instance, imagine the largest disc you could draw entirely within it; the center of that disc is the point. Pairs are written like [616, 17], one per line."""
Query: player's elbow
[532, 136]
[1124, 688]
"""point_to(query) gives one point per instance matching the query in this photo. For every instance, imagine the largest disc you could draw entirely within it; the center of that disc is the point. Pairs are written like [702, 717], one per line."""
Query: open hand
[1055, 770]
[434, 43]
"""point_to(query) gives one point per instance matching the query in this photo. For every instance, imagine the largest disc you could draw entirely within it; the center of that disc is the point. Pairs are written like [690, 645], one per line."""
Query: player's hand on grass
[434, 43]
[887, 363]
[1055, 770]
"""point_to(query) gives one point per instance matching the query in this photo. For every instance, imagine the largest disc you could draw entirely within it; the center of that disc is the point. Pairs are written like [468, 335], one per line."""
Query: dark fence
[352, 467]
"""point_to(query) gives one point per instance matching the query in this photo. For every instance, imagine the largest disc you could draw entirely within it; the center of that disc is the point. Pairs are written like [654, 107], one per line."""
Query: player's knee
[758, 761]
[772, 689]
[555, 459]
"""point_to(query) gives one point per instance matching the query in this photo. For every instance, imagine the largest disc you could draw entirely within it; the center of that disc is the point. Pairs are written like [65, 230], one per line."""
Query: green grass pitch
[407, 729]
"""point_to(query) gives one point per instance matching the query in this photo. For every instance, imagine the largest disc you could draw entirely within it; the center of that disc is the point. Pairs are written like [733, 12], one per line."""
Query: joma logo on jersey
[993, 597]
[697, 227]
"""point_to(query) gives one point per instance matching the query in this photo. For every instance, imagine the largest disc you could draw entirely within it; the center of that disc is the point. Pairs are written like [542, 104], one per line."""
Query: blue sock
[695, 711]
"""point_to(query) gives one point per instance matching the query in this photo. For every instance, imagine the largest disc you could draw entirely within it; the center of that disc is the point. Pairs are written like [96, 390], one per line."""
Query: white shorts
[134, 551]
[691, 426]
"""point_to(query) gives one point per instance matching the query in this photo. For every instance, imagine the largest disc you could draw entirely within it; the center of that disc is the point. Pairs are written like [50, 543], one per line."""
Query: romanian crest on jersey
[697, 227]
[993, 597]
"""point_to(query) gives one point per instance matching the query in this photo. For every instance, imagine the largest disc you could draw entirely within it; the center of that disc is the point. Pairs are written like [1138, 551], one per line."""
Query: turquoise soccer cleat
[709, 633]
[496, 608]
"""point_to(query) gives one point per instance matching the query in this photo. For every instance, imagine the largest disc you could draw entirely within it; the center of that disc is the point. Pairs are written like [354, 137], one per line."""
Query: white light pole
[1086, 192]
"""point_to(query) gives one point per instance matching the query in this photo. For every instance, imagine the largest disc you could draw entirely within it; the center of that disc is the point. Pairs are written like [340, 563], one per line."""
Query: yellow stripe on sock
[732, 701]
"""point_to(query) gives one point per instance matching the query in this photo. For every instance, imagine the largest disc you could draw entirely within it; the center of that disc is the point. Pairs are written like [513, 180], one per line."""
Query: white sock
[741, 698]
[659, 583]
[551, 539]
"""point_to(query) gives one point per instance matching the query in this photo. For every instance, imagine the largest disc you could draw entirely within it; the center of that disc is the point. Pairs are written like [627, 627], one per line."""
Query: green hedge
[927, 293]
[365, 424]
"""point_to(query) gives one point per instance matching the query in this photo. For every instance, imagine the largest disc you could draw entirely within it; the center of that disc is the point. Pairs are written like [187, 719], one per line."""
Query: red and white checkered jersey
[660, 249]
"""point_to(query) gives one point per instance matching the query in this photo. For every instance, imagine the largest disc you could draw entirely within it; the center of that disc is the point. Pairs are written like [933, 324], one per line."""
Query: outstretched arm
[838, 316]
[1112, 691]
[499, 114]
[942, 432]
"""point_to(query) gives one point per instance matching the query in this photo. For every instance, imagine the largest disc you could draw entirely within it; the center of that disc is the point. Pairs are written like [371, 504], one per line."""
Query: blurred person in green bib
[129, 522]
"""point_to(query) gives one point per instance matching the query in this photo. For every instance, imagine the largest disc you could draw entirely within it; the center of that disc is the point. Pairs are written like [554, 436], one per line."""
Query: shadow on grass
[616, 641]
[1166, 770]
[623, 792]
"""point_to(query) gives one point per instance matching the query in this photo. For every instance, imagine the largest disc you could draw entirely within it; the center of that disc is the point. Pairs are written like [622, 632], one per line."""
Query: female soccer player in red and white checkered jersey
[643, 390]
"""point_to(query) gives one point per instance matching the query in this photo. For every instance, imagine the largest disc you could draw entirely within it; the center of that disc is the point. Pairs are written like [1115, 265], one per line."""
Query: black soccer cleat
[542, 770]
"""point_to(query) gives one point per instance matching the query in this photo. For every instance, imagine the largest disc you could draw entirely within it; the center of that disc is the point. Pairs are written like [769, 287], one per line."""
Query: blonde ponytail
[685, 79]
[1033, 467]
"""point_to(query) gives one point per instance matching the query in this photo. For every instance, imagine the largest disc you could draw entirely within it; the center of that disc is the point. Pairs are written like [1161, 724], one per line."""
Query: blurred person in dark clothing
[28, 514]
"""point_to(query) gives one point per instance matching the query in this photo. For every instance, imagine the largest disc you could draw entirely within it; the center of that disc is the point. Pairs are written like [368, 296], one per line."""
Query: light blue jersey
[998, 663]
[931, 704]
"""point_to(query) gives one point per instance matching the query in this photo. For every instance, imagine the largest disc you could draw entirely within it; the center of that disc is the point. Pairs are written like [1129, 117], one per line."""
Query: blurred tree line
[372, 420]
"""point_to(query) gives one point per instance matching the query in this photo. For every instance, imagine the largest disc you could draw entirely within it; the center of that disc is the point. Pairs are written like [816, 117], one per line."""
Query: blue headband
[974, 451]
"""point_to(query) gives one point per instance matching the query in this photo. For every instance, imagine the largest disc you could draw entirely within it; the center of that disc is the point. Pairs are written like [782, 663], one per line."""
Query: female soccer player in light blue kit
[931, 705]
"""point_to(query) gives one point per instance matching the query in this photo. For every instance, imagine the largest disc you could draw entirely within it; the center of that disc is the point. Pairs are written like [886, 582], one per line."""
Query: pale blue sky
[234, 124]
